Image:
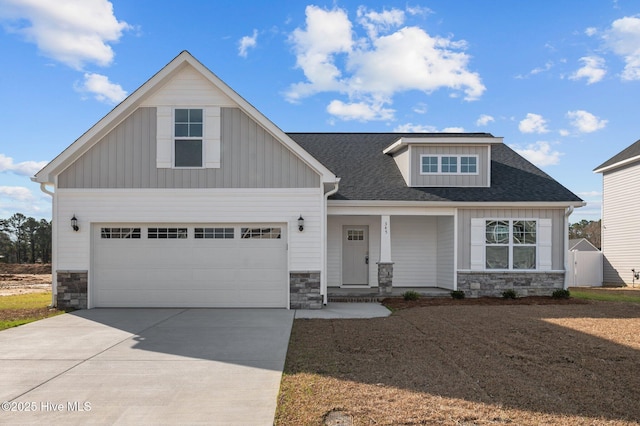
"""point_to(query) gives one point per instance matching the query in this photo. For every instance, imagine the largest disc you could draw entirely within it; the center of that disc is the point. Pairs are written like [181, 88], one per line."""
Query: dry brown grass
[468, 365]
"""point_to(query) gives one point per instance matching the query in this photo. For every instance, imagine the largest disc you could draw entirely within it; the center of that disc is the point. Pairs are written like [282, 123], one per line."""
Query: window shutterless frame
[449, 165]
[188, 138]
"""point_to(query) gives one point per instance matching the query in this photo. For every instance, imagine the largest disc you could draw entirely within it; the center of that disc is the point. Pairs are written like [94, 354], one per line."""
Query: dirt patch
[16, 278]
[468, 364]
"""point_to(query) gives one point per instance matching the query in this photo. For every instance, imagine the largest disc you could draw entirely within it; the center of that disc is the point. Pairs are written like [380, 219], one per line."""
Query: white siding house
[185, 195]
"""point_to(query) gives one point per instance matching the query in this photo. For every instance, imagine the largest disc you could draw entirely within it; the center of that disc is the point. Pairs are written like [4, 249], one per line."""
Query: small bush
[561, 294]
[457, 294]
[509, 294]
[411, 295]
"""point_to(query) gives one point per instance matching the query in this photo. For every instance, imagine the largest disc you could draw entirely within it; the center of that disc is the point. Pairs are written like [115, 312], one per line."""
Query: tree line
[587, 229]
[25, 240]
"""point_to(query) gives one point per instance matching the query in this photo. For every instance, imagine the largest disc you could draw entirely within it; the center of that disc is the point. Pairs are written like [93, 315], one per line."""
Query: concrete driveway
[145, 366]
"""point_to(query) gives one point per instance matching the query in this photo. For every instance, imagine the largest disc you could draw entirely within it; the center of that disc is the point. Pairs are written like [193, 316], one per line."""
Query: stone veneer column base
[478, 284]
[385, 278]
[72, 289]
[304, 290]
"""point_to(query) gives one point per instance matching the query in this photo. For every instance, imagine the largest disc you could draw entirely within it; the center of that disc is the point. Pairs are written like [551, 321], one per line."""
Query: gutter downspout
[323, 278]
[567, 213]
[54, 278]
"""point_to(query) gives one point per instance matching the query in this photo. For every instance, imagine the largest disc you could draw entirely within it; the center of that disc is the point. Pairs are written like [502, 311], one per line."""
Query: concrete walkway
[152, 366]
[145, 366]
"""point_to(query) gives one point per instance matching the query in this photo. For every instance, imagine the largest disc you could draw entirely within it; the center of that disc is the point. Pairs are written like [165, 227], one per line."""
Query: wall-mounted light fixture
[74, 223]
[300, 223]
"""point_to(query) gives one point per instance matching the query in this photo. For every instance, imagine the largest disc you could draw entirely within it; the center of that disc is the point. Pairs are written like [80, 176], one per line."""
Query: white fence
[585, 268]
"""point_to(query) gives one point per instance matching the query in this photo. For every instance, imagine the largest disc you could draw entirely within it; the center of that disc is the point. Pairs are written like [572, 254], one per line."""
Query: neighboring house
[620, 218]
[185, 195]
[581, 244]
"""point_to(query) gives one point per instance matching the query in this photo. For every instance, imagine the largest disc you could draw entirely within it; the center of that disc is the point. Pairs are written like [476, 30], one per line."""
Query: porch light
[74, 223]
[300, 223]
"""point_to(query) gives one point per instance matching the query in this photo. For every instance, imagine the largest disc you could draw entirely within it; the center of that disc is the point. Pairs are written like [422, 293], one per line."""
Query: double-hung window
[188, 134]
[448, 164]
[510, 244]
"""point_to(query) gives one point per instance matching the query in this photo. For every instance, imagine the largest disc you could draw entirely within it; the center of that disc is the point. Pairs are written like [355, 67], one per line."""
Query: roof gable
[153, 87]
[628, 155]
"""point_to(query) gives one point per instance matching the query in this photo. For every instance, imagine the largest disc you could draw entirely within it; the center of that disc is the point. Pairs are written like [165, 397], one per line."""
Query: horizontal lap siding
[414, 251]
[464, 230]
[188, 207]
[620, 225]
[250, 158]
[446, 252]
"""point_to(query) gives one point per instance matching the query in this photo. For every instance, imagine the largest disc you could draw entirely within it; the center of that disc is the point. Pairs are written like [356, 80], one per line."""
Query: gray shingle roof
[631, 151]
[368, 174]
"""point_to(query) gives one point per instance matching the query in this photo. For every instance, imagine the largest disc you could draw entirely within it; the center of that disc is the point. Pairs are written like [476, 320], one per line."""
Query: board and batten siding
[446, 252]
[414, 251]
[189, 206]
[250, 158]
[460, 180]
[620, 225]
[557, 231]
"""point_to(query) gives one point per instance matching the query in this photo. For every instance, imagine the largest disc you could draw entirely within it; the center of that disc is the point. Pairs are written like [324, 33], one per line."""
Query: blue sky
[559, 80]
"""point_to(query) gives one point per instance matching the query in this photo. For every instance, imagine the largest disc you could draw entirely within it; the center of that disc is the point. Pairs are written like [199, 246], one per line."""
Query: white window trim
[459, 165]
[175, 138]
[543, 244]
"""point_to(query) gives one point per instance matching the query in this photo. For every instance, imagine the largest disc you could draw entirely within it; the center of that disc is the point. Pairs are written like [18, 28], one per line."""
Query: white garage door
[155, 265]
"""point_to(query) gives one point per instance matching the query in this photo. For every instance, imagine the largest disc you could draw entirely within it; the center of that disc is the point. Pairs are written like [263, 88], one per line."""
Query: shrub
[561, 294]
[509, 294]
[457, 294]
[411, 295]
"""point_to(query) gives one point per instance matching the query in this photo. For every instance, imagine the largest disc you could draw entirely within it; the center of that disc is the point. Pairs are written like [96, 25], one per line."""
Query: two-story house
[185, 195]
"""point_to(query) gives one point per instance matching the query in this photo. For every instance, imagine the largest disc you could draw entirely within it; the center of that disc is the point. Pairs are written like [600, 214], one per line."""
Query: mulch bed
[396, 303]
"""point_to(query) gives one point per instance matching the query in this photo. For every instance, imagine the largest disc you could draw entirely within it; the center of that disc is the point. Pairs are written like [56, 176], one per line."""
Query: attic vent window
[188, 134]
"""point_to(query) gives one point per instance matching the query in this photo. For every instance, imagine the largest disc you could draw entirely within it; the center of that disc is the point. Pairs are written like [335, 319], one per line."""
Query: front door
[355, 255]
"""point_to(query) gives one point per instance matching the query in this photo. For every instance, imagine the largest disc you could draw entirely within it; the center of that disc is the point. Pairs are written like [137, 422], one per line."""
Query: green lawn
[24, 308]
[604, 295]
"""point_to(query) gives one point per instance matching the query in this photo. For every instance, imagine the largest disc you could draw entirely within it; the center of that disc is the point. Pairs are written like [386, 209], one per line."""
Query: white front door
[355, 255]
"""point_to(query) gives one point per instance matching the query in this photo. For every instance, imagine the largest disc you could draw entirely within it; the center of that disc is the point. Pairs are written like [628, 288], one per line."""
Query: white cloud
[591, 31]
[360, 111]
[624, 39]
[564, 132]
[365, 70]
[539, 153]
[484, 119]
[415, 128]
[585, 122]
[533, 123]
[246, 43]
[101, 88]
[425, 128]
[593, 69]
[74, 32]
[14, 199]
[25, 168]
[589, 194]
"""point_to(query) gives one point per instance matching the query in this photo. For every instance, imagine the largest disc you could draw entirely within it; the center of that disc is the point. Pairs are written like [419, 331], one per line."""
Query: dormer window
[448, 164]
[188, 133]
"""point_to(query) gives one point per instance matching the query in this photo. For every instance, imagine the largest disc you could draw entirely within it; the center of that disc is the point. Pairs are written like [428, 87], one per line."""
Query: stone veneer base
[478, 284]
[72, 289]
[304, 290]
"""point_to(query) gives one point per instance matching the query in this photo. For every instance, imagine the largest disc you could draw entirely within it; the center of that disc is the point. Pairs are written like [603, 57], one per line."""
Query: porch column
[385, 239]
[385, 265]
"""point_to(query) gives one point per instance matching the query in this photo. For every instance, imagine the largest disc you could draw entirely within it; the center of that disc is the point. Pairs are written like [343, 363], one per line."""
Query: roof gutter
[323, 276]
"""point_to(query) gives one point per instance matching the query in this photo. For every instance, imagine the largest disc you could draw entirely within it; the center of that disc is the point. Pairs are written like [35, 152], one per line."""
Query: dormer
[444, 160]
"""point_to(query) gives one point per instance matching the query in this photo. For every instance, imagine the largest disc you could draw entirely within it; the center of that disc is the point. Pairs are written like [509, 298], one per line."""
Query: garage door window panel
[120, 233]
[214, 233]
[261, 233]
[167, 233]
